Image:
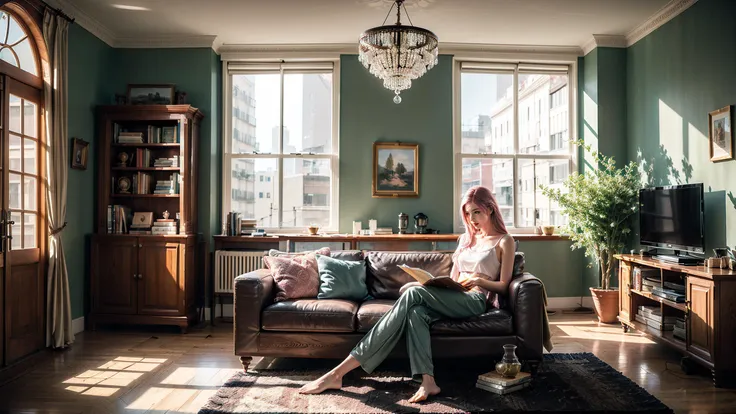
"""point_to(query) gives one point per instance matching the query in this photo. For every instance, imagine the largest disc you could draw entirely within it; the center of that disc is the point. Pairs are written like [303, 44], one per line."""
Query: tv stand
[709, 314]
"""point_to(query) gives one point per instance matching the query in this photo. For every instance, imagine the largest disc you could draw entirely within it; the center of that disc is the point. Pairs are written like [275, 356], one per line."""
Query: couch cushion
[494, 322]
[371, 311]
[350, 255]
[310, 315]
[385, 278]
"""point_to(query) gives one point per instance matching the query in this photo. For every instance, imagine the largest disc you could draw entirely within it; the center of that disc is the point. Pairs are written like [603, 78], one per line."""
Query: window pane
[256, 98]
[487, 113]
[15, 153]
[534, 208]
[26, 56]
[308, 113]
[4, 19]
[29, 230]
[8, 56]
[29, 156]
[29, 193]
[245, 187]
[16, 191]
[15, 33]
[543, 114]
[15, 113]
[307, 191]
[495, 174]
[30, 124]
[16, 230]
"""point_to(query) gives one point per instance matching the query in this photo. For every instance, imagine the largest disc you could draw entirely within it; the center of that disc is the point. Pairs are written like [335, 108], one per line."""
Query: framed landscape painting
[395, 170]
[720, 134]
[151, 94]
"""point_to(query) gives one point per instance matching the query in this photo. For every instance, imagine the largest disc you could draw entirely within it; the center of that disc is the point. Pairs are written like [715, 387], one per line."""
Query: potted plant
[599, 205]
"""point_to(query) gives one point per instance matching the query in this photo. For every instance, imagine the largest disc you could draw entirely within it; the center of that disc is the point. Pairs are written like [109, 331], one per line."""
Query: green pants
[412, 314]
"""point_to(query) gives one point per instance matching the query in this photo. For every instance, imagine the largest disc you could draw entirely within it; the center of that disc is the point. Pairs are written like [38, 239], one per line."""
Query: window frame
[515, 67]
[293, 63]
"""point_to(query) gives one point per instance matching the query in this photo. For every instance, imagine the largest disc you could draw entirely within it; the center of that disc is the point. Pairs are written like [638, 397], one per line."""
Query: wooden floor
[161, 371]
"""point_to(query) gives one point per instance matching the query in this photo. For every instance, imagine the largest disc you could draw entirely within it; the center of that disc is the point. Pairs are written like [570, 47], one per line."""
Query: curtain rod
[59, 12]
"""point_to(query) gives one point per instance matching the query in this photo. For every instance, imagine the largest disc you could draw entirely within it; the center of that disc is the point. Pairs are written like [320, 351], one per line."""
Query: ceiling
[273, 22]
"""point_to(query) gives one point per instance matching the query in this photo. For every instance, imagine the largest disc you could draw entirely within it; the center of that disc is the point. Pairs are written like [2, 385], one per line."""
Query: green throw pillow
[341, 279]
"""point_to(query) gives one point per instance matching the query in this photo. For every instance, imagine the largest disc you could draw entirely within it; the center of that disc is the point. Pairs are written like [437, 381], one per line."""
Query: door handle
[6, 231]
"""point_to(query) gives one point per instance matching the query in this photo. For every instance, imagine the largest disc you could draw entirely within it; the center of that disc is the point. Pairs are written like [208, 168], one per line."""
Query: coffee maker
[420, 223]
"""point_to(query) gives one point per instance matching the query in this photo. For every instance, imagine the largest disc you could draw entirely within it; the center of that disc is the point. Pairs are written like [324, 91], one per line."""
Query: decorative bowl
[548, 230]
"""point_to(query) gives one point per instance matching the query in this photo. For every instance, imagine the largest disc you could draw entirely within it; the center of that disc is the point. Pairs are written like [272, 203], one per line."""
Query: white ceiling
[273, 22]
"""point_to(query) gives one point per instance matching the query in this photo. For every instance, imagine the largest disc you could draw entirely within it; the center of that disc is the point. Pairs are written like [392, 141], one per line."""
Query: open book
[427, 279]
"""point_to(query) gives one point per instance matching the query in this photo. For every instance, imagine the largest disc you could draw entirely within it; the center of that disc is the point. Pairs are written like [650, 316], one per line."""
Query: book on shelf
[154, 134]
[427, 279]
[118, 219]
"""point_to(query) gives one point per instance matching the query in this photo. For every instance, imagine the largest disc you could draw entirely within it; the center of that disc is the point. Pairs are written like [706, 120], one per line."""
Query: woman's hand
[407, 286]
[472, 281]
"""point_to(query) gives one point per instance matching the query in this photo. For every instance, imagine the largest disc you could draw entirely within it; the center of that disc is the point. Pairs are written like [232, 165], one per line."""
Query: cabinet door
[160, 284]
[114, 270]
[700, 323]
[624, 281]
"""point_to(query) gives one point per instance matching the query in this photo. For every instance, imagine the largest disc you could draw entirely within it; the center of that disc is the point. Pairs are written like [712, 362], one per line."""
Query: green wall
[675, 76]
[368, 114]
[89, 85]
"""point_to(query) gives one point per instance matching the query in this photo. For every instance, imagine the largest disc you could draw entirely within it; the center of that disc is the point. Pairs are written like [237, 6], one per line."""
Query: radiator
[231, 264]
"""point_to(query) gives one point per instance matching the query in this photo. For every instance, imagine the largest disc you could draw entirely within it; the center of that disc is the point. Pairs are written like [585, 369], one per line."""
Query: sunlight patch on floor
[109, 377]
[603, 333]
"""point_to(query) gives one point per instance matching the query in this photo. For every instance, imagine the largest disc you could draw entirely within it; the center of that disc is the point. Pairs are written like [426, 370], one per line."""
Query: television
[672, 217]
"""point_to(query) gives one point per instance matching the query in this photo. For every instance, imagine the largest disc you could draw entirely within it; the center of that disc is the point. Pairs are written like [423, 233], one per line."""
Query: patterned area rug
[564, 383]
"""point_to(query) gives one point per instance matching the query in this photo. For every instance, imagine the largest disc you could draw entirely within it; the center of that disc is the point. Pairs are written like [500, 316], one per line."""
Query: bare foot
[425, 390]
[329, 381]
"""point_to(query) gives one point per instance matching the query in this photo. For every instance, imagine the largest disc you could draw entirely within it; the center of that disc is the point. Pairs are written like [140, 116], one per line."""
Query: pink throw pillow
[296, 277]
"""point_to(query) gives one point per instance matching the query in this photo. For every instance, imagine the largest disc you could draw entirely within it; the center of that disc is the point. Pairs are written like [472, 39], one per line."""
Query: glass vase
[509, 366]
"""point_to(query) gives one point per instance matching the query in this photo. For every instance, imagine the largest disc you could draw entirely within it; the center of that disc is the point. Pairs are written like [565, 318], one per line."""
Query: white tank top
[480, 260]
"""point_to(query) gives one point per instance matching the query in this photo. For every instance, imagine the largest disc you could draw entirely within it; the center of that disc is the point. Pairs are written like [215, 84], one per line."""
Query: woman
[483, 263]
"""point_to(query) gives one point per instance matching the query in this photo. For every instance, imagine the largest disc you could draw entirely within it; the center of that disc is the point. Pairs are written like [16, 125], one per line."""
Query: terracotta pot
[606, 304]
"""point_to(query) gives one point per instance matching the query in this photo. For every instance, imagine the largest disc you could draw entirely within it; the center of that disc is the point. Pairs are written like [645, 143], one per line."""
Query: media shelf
[709, 312]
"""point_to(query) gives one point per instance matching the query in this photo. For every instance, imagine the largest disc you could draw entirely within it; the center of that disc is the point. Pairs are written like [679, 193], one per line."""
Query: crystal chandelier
[398, 54]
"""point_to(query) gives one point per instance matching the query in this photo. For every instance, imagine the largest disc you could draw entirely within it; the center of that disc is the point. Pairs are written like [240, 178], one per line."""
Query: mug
[357, 226]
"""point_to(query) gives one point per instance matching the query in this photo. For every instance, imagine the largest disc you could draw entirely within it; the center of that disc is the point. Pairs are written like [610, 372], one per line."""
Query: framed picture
[79, 154]
[151, 94]
[142, 219]
[720, 134]
[395, 170]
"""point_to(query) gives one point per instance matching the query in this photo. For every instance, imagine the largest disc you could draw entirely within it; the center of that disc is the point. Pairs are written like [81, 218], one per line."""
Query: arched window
[16, 47]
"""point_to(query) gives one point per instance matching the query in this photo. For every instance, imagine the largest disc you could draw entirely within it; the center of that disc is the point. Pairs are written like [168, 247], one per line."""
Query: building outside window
[513, 136]
[281, 131]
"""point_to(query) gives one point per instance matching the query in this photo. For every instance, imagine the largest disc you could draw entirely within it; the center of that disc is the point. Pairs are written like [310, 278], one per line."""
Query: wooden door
[700, 321]
[624, 296]
[114, 275]
[160, 283]
[23, 188]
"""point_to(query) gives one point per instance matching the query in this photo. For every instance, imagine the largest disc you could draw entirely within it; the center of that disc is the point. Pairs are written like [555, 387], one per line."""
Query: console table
[709, 312]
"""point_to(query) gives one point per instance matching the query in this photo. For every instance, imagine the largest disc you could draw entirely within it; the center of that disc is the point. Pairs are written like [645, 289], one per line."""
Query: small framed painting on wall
[720, 134]
[395, 169]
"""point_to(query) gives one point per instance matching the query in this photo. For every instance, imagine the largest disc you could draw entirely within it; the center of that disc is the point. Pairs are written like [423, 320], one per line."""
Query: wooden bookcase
[709, 312]
[145, 278]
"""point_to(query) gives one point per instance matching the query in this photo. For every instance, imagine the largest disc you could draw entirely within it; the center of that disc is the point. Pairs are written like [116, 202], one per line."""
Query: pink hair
[483, 198]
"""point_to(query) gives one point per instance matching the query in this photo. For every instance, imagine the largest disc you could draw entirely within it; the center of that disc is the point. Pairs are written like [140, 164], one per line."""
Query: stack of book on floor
[652, 316]
[679, 331]
[497, 384]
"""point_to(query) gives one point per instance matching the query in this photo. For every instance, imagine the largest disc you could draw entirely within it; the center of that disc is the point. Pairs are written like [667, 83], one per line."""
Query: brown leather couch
[329, 328]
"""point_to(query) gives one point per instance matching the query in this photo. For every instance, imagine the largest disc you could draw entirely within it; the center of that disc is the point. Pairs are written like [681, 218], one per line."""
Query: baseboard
[78, 325]
[568, 302]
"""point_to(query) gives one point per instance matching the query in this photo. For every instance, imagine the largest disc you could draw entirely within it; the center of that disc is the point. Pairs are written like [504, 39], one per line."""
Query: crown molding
[83, 19]
[658, 19]
[598, 40]
[163, 42]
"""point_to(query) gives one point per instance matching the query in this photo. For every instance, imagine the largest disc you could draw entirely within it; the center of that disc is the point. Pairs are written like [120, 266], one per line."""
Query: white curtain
[59, 332]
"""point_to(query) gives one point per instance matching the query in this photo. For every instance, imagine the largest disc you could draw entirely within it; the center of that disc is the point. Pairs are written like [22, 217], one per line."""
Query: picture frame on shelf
[142, 219]
[395, 170]
[151, 94]
[79, 154]
[720, 134]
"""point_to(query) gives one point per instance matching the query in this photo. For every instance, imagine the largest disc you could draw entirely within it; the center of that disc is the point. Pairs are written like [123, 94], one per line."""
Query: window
[513, 136]
[283, 131]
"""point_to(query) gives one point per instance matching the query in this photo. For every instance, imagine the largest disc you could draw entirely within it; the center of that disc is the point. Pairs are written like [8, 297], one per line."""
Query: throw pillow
[278, 253]
[341, 279]
[296, 277]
